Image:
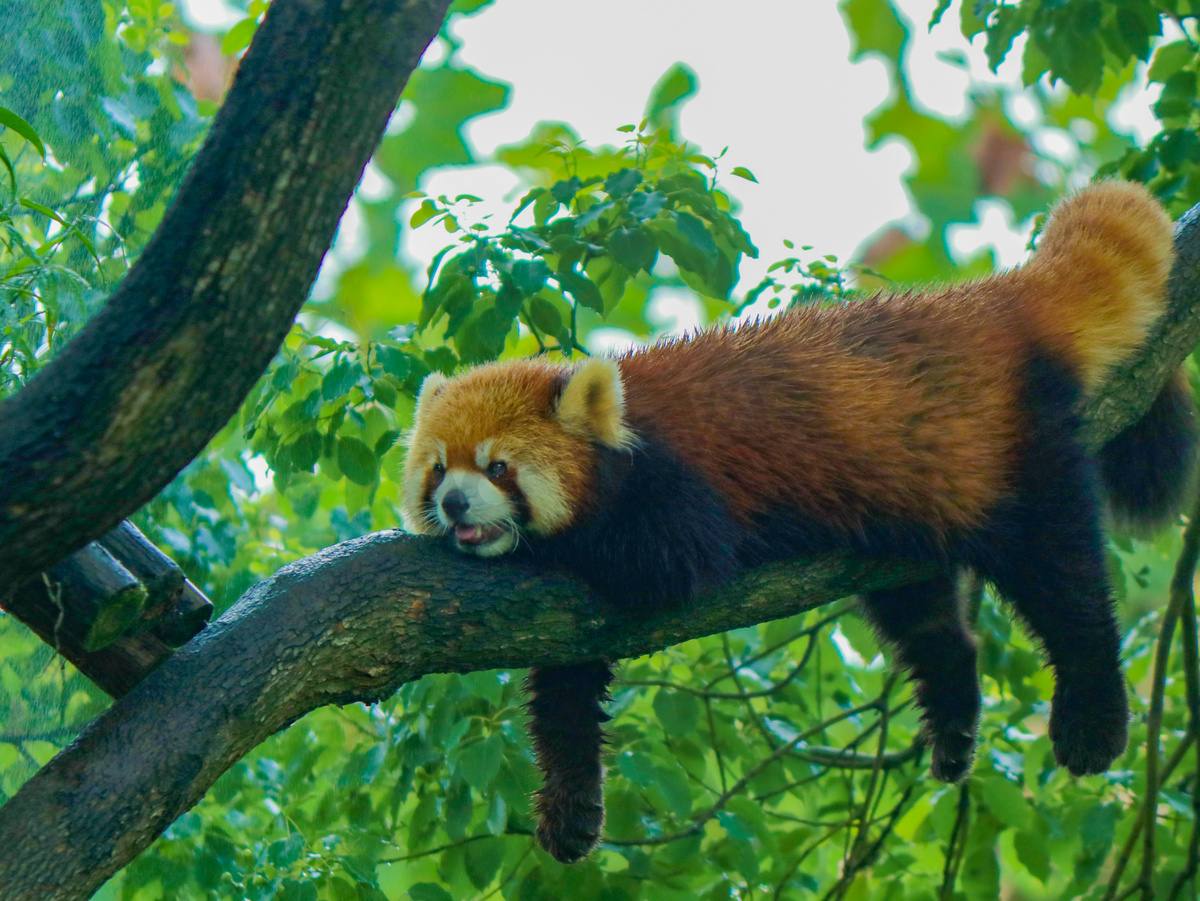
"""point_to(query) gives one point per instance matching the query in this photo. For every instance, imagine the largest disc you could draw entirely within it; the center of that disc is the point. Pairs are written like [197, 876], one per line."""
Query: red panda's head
[509, 448]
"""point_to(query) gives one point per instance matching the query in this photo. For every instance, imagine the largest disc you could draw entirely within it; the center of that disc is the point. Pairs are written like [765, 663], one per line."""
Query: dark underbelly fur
[660, 534]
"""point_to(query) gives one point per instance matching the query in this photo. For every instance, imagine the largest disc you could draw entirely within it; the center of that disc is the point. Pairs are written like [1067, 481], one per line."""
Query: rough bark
[162, 368]
[116, 608]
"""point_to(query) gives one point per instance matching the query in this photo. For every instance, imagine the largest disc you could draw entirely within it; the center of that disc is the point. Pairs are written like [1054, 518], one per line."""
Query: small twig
[716, 745]
[812, 629]
[1126, 852]
[1191, 668]
[1181, 593]
[703, 817]
[957, 847]
[843, 884]
[732, 695]
[874, 789]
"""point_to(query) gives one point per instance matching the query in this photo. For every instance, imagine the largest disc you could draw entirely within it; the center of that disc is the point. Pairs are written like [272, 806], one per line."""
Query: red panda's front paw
[1089, 722]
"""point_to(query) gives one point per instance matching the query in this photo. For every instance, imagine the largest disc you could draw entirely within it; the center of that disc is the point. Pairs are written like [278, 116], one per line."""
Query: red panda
[941, 425]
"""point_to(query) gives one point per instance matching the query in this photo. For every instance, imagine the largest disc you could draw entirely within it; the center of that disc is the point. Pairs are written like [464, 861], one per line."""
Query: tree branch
[351, 623]
[153, 377]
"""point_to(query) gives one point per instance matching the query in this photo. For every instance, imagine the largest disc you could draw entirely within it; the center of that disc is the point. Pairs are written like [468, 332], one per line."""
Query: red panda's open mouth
[474, 535]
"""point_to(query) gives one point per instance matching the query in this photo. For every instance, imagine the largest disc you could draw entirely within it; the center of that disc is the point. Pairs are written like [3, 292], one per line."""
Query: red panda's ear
[429, 388]
[592, 404]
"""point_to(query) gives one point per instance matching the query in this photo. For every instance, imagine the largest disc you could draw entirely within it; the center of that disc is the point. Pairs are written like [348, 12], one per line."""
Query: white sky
[776, 86]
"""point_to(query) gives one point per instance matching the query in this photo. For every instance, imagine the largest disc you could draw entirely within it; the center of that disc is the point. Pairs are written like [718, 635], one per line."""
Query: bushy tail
[566, 722]
[1098, 279]
[1096, 285]
[1149, 468]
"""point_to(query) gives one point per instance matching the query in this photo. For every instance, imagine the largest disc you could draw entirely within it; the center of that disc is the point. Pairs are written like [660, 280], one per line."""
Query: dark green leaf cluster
[1072, 40]
[588, 238]
[1085, 43]
[94, 137]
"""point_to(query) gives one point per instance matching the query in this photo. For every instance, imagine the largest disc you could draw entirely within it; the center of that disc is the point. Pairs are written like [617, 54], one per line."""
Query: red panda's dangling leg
[1044, 551]
[924, 622]
[566, 721]
[1058, 584]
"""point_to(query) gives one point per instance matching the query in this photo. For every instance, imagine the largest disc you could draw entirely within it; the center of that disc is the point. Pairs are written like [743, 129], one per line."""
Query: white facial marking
[483, 454]
[546, 500]
[441, 448]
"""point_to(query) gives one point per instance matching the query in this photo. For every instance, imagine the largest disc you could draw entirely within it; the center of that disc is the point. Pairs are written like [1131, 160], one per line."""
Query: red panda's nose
[455, 505]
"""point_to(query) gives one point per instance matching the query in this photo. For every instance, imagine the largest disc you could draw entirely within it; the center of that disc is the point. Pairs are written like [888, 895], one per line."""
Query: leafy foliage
[121, 133]
[781, 760]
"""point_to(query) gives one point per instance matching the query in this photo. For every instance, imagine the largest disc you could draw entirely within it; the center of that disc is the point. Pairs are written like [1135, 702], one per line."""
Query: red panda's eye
[497, 469]
[439, 469]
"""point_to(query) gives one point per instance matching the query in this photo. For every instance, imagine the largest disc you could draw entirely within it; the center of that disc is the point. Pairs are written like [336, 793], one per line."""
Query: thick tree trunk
[169, 359]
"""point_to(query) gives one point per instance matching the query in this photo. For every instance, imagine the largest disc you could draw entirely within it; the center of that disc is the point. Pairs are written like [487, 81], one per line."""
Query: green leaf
[874, 26]
[426, 211]
[564, 191]
[239, 36]
[385, 441]
[12, 176]
[1177, 147]
[1169, 59]
[633, 248]
[1178, 96]
[678, 711]
[480, 762]
[646, 204]
[1033, 854]
[1005, 799]
[743, 172]
[497, 814]
[395, 362]
[482, 861]
[9, 119]
[286, 851]
[525, 201]
[677, 84]
[582, 289]
[294, 890]
[529, 275]
[594, 212]
[306, 450]
[356, 461]
[695, 232]
[384, 392]
[637, 768]
[303, 410]
[622, 182]
[545, 316]
[339, 379]
[428, 891]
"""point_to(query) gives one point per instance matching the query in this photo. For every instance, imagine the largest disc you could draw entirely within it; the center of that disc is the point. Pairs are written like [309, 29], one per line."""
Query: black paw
[953, 752]
[568, 828]
[1089, 722]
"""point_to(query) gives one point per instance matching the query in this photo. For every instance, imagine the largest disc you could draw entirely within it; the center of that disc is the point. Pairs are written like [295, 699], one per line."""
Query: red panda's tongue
[473, 534]
[469, 534]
